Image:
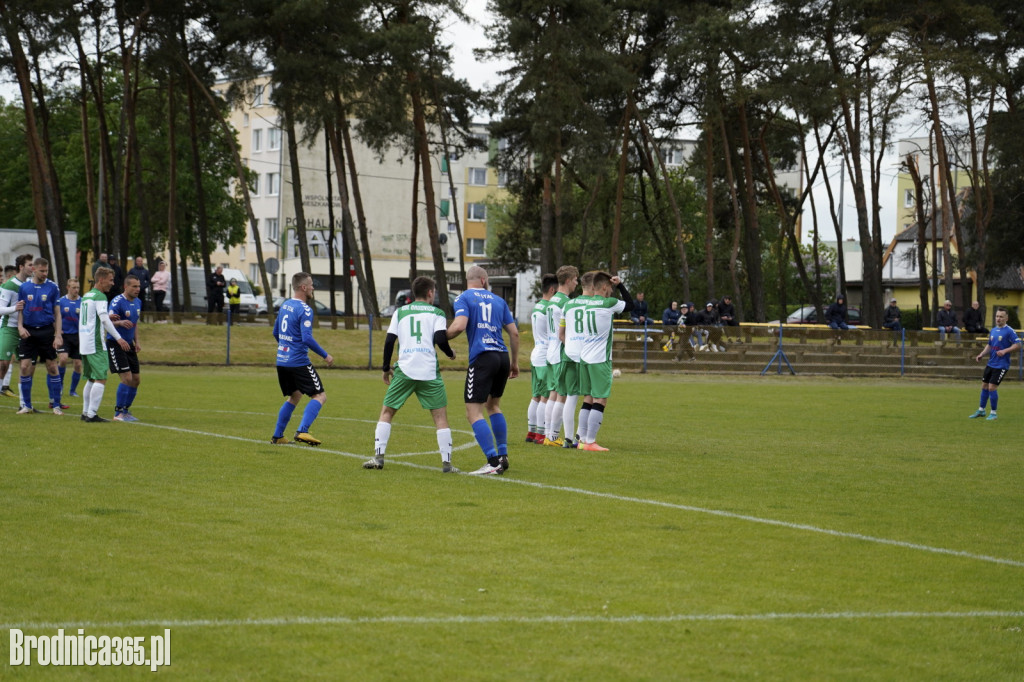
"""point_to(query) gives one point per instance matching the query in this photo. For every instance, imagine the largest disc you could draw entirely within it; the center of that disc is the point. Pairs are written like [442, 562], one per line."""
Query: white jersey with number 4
[598, 320]
[414, 325]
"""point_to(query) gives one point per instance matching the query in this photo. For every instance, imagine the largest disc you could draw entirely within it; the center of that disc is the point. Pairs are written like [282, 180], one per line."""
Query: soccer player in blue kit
[293, 332]
[70, 311]
[126, 313]
[482, 315]
[1002, 342]
[39, 327]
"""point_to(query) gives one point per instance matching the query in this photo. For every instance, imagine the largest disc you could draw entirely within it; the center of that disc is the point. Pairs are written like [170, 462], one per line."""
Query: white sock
[86, 395]
[380, 438]
[596, 417]
[584, 424]
[444, 444]
[569, 416]
[549, 412]
[96, 398]
[531, 415]
[10, 370]
[556, 419]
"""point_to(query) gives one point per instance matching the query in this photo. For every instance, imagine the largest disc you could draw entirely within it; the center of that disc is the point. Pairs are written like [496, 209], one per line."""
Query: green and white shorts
[596, 380]
[430, 392]
[539, 381]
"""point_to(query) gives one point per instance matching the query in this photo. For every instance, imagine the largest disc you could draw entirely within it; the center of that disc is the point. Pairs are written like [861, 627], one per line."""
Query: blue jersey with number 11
[488, 314]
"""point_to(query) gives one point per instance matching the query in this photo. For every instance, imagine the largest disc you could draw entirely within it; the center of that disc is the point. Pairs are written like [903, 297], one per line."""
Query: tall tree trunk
[414, 233]
[620, 186]
[90, 184]
[922, 236]
[288, 114]
[709, 207]
[422, 146]
[172, 197]
[751, 224]
[364, 230]
[734, 251]
[197, 179]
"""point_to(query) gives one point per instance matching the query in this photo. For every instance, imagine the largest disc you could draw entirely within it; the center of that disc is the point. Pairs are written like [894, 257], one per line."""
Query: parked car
[807, 315]
[197, 292]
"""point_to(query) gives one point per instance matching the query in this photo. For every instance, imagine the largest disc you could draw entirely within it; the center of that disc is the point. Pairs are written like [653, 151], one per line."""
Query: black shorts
[993, 375]
[39, 344]
[302, 379]
[121, 360]
[486, 377]
[70, 346]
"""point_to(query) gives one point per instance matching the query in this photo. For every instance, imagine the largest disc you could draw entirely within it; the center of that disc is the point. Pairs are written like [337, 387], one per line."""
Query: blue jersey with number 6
[488, 314]
[293, 332]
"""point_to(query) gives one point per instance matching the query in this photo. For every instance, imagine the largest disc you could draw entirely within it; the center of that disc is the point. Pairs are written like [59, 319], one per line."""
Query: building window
[272, 228]
[939, 260]
[672, 157]
[273, 139]
[257, 95]
[254, 189]
[245, 120]
[502, 178]
[254, 273]
[452, 228]
[273, 184]
[908, 198]
[478, 176]
[476, 212]
[241, 252]
[257, 139]
[476, 247]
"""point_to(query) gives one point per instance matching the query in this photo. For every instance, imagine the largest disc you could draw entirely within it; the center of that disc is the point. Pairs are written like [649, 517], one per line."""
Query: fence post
[369, 327]
[227, 360]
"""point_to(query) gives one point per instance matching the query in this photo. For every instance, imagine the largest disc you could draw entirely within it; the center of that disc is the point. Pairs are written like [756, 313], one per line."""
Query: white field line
[519, 620]
[657, 503]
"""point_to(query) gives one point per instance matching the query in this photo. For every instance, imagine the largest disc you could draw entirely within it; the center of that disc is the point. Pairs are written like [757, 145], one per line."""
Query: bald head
[476, 277]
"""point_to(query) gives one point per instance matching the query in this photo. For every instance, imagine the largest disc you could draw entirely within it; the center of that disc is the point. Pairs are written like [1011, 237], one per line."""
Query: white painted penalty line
[521, 620]
[666, 505]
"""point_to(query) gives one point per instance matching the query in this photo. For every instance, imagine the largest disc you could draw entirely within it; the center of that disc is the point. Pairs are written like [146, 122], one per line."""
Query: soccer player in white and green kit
[92, 322]
[417, 327]
[539, 379]
[596, 356]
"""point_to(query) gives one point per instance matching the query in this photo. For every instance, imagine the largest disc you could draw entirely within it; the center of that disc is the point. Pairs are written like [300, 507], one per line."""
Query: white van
[197, 291]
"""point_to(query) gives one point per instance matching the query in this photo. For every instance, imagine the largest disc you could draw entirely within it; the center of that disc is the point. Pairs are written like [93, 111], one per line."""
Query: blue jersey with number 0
[488, 314]
[1001, 338]
[294, 334]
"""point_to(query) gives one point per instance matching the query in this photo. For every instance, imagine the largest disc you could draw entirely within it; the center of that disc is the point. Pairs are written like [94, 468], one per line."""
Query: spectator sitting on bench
[670, 320]
[712, 328]
[974, 321]
[836, 314]
[946, 321]
[638, 315]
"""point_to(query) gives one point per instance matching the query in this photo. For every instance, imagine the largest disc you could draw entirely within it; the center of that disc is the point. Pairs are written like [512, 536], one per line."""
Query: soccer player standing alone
[293, 332]
[1002, 341]
[482, 315]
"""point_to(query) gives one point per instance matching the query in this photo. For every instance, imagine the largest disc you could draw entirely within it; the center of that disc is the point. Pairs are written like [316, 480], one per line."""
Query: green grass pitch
[772, 528]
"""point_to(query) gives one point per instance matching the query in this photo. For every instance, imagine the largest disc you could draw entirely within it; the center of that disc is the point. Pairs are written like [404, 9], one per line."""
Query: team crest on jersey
[30, 297]
[307, 323]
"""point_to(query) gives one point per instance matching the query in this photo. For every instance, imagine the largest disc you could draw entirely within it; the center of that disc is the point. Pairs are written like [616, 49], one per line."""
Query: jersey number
[485, 311]
[284, 322]
[416, 329]
[591, 316]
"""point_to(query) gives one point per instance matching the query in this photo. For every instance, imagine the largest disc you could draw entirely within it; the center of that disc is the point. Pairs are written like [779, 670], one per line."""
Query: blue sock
[120, 397]
[993, 399]
[309, 415]
[500, 428]
[130, 396]
[60, 373]
[984, 398]
[484, 438]
[26, 390]
[53, 383]
[282, 419]
[75, 377]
